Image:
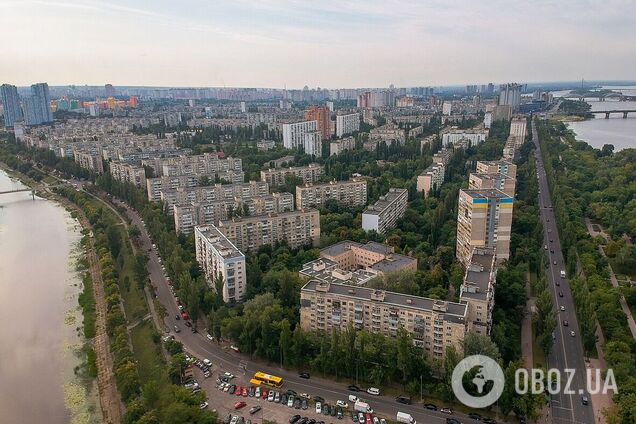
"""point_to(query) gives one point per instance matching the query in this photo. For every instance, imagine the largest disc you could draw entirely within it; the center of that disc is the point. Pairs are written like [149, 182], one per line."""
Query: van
[403, 417]
[353, 399]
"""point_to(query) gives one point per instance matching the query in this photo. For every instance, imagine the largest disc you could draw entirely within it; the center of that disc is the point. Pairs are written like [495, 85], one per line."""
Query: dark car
[333, 411]
[489, 421]
[353, 388]
[430, 406]
[474, 416]
[297, 403]
[254, 409]
[232, 389]
[565, 323]
[252, 391]
[584, 399]
[227, 419]
[403, 399]
[177, 317]
[283, 399]
[325, 409]
[304, 404]
[292, 392]
[340, 413]
[560, 294]
[188, 324]
[304, 375]
[452, 421]
[311, 421]
[319, 399]
[293, 419]
[303, 420]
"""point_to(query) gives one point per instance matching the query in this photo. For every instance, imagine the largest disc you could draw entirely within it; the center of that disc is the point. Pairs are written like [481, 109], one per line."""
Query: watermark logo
[484, 379]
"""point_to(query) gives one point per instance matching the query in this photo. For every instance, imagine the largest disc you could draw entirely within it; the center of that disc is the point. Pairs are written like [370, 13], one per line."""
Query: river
[616, 130]
[39, 314]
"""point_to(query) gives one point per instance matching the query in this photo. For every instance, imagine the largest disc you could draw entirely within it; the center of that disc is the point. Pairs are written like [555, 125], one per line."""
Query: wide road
[219, 353]
[567, 352]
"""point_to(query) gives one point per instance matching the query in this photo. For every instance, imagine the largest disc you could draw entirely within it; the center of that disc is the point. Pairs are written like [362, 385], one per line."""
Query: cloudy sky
[325, 43]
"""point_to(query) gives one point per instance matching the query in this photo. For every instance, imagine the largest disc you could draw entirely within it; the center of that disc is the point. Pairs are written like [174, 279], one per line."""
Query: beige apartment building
[431, 179]
[204, 194]
[338, 146]
[478, 290]
[478, 181]
[497, 167]
[309, 174]
[383, 214]
[89, 159]
[128, 173]
[484, 219]
[297, 228]
[351, 193]
[188, 215]
[356, 263]
[435, 325]
[218, 257]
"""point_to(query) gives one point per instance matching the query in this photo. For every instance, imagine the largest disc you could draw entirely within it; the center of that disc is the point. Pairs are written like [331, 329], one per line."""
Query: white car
[228, 375]
[563, 308]
[210, 338]
[373, 391]
[342, 404]
[271, 395]
[305, 395]
[207, 362]
[203, 405]
[572, 333]
[235, 419]
[290, 401]
[318, 408]
[257, 393]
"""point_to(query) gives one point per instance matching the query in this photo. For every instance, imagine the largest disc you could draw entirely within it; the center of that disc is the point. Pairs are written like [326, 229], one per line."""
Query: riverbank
[97, 360]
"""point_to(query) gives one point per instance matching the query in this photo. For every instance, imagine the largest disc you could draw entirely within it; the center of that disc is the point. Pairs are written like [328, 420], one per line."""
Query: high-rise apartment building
[322, 116]
[294, 133]
[347, 124]
[128, 173]
[11, 105]
[221, 260]
[297, 228]
[478, 181]
[484, 219]
[518, 127]
[37, 106]
[434, 325]
[431, 179]
[497, 167]
[383, 214]
[510, 95]
[352, 193]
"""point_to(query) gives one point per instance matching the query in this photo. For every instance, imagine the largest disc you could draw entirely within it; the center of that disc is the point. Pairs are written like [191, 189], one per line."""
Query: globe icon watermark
[486, 371]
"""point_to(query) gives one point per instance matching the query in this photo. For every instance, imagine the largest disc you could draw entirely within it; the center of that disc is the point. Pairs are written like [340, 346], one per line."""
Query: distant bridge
[602, 97]
[609, 112]
[18, 190]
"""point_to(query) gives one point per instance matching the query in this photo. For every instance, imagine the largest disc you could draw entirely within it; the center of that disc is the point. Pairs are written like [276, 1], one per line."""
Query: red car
[367, 418]
[238, 391]
[264, 393]
[239, 405]
[244, 392]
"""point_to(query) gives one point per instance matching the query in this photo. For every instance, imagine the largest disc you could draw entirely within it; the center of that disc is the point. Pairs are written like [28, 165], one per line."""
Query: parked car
[373, 391]
[360, 417]
[252, 391]
[452, 421]
[227, 419]
[270, 396]
[318, 408]
[446, 411]
[235, 349]
[283, 399]
[257, 393]
[342, 404]
[290, 401]
[474, 416]
[254, 409]
[265, 394]
[203, 405]
[353, 388]
[304, 375]
[304, 404]
[297, 403]
[325, 409]
[239, 405]
[177, 329]
[207, 362]
[277, 397]
[293, 419]
[430, 406]
[403, 399]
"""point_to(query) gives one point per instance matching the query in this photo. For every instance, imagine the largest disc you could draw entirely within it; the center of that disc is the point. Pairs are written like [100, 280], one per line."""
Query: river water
[615, 130]
[39, 315]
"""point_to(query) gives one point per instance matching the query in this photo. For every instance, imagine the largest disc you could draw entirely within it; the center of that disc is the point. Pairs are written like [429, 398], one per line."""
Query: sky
[324, 43]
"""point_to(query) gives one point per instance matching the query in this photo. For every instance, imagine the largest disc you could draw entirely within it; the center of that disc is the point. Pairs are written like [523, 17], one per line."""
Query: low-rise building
[352, 193]
[355, 263]
[221, 261]
[265, 145]
[384, 213]
[434, 325]
[297, 228]
[277, 176]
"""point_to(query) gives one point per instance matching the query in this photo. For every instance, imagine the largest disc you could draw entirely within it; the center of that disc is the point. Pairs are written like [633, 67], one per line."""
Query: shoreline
[79, 389]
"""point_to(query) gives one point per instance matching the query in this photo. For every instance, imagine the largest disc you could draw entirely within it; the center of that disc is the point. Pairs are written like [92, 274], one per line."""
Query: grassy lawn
[133, 296]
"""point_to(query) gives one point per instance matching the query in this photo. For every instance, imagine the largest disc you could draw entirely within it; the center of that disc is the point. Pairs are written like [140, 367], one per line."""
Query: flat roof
[483, 193]
[454, 312]
[391, 196]
[224, 246]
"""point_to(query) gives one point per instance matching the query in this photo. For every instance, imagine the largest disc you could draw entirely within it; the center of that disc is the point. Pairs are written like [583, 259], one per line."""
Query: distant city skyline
[278, 43]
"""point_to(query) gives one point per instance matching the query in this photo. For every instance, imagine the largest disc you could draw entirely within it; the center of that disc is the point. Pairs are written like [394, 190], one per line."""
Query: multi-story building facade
[189, 215]
[518, 127]
[510, 95]
[277, 176]
[383, 214]
[338, 146]
[156, 187]
[352, 193]
[478, 181]
[347, 124]
[496, 167]
[128, 173]
[443, 156]
[478, 290]
[208, 164]
[387, 133]
[484, 219]
[431, 179]
[10, 104]
[474, 136]
[212, 193]
[322, 116]
[37, 106]
[435, 325]
[89, 159]
[221, 260]
[294, 133]
[355, 263]
[297, 229]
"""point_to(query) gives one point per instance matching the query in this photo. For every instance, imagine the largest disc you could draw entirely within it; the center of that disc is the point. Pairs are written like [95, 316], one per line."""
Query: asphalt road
[239, 364]
[567, 352]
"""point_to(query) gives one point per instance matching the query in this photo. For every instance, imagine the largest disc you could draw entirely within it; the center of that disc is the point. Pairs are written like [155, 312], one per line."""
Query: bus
[266, 379]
